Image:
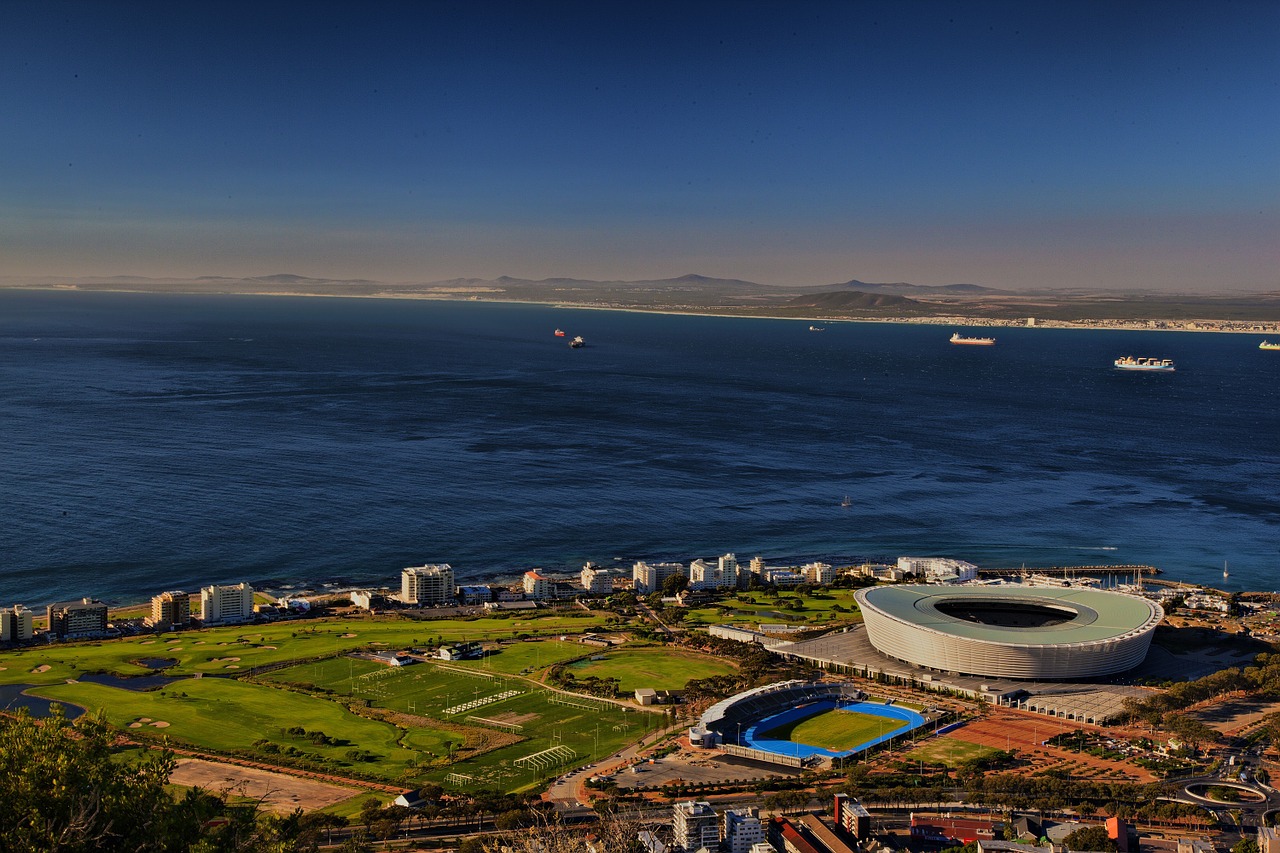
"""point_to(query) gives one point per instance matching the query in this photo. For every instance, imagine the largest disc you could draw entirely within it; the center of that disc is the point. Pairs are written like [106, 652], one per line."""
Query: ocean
[153, 442]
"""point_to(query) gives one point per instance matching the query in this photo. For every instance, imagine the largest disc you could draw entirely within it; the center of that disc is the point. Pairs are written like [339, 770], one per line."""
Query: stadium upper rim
[1096, 632]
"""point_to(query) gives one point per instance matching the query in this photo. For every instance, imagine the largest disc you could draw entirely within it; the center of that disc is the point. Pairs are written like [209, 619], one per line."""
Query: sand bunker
[271, 648]
[160, 724]
[44, 667]
[3, 668]
[147, 643]
[135, 725]
[174, 649]
[144, 719]
[233, 666]
[346, 636]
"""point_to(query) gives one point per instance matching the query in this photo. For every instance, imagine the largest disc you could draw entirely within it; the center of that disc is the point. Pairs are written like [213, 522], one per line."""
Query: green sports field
[659, 668]
[836, 730]
[538, 719]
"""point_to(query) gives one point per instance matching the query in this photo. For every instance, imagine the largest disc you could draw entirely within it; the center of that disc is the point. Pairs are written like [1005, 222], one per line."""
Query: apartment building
[429, 586]
[229, 603]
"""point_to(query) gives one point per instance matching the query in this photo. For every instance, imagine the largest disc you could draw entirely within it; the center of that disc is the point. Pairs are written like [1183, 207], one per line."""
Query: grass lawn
[659, 668]
[438, 690]
[235, 649]
[948, 751]
[836, 730]
[222, 714]
[818, 608]
[529, 656]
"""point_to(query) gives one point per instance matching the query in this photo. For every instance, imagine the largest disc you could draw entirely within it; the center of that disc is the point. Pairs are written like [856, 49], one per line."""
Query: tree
[1093, 838]
[66, 789]
[62, 791]
[675, 584]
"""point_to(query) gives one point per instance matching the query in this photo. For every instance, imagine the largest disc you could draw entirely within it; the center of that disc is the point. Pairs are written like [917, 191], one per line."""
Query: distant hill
[903, 287]
[852, 299]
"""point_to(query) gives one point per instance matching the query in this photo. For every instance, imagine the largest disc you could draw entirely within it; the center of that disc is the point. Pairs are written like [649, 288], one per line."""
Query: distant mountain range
[852, 298]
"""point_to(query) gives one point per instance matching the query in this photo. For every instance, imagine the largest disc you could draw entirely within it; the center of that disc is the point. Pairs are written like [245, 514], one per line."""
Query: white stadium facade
[1010, 632]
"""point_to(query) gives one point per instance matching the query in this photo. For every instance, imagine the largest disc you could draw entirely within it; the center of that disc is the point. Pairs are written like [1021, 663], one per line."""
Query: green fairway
[836, 730]
[222, 714]
[237, 649]
[826, 607]
[659, 668]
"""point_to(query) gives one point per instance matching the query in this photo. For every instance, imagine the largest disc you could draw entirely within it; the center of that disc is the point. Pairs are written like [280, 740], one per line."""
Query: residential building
[226, 603]
[723, 575]
[783, 577]
[170, 610]
[17, 624]
[938, 569]
[363, 598]
[694, 824]
[538, 586]
[596, 580]
[818, 573]
[1268, 839]
[786, 838]
[430, 585]
[649, 577]
[478, 594]
[85, 617]
[852, 816]
[742, 830]
[817, 831]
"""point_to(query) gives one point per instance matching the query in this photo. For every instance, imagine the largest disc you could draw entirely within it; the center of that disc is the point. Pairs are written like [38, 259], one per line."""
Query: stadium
[1010, 632]
[768, 722]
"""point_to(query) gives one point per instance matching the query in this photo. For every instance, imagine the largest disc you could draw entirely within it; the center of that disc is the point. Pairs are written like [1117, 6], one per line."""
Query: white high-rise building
[742, 830]
[596, 580]
[232, 603]
[649, 577]
[693, 825]
[818, 573]
[723, 575]
[16, 624]
[427, 585]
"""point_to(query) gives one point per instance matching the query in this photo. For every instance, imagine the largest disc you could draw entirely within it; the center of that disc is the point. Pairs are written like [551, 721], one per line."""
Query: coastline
[1200, 324]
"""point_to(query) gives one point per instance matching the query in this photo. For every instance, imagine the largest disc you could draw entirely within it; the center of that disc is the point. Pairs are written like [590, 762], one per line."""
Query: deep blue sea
[156, 442]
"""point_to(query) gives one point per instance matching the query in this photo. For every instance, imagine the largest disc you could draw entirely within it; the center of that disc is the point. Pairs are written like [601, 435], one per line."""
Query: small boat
[847, 501]
[1225, 574]
[577, 343]
[1268, 345]
[1130, 363]
[958, 338]
[817, 329]
[559, 333]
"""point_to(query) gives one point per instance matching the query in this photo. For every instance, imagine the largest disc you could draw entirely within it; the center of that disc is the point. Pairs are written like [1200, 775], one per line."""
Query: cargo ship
[1268, 345]
[1131, 363]
[577, 343]
[957, 338]
[559, 333]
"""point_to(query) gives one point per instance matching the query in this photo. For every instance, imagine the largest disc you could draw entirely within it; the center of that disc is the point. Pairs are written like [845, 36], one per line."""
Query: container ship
[1131, 363]
[957, 338]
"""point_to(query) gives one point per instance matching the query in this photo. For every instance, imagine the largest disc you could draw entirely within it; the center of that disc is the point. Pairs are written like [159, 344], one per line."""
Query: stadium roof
[1098, 614]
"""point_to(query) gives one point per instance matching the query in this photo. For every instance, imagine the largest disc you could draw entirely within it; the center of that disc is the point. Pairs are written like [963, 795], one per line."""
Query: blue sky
[1022, 144]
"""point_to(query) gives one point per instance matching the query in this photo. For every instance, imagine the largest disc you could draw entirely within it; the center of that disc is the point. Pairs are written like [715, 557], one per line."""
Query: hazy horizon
[1017, 146]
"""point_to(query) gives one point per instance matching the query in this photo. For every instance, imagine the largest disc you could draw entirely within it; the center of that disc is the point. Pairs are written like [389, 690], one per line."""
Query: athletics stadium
[799, 723]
